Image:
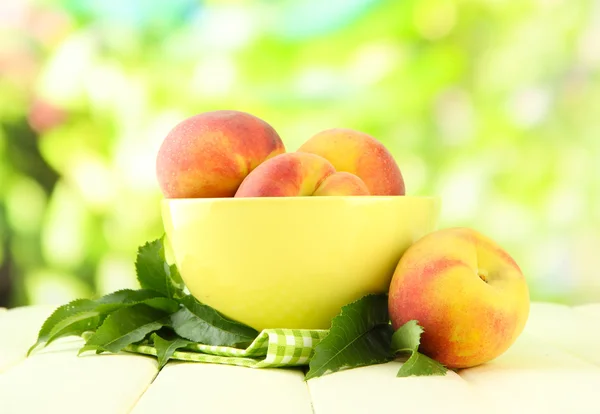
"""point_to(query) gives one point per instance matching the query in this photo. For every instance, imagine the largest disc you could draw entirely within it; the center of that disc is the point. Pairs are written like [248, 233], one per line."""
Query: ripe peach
[210, 154]
[467, 293]
[286, 175]
[342, 184]
[360, 154]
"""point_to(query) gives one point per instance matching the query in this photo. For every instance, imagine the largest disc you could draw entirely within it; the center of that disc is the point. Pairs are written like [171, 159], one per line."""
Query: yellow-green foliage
[492, 105]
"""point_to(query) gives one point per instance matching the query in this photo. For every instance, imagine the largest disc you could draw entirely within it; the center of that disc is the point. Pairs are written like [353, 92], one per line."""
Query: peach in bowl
[291, 262]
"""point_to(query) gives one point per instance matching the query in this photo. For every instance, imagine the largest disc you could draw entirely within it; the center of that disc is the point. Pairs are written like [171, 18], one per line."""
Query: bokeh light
[491, 105]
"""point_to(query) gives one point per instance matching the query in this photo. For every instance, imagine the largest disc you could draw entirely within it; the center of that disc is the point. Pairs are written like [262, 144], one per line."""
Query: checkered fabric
[271, 348]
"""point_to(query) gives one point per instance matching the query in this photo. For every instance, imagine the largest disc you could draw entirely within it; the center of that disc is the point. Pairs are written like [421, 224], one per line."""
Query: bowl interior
[292, 262]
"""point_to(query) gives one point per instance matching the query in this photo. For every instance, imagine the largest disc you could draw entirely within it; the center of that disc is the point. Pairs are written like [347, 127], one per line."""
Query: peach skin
[286, 175]
[466, 292]
[360, 154]
[342, 184]
[210, 154]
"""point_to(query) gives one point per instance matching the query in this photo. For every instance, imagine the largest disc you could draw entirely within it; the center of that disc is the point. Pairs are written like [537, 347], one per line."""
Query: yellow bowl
[291, 262]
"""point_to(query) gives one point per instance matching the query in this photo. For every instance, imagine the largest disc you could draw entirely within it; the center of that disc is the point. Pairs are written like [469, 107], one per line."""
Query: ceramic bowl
[292, 262]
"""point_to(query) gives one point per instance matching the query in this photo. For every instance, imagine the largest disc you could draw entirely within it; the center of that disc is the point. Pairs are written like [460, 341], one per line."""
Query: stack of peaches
[467, 293]
[228, 153]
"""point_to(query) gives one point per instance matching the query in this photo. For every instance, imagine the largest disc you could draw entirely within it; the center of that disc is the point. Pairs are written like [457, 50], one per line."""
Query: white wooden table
[554, 367]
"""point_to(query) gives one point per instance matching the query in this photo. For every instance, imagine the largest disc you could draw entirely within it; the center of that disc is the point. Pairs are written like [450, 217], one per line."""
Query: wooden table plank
[535, 377]
[590, 310]
[376, 389]
[561, 326]
[222, 389]
[554, 367]
[18, 331]
[57, 380]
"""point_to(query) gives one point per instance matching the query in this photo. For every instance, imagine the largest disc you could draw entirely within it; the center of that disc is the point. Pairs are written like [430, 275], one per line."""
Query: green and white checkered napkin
[271, 348]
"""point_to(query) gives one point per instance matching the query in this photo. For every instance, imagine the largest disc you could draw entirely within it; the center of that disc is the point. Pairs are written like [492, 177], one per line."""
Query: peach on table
[466, 292]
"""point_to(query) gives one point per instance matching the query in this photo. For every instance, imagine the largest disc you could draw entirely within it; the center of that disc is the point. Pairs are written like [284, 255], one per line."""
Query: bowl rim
[301, 199]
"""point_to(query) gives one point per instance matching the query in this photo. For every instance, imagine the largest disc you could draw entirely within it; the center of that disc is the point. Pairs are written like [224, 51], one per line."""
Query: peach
[210, 154]
[342, 184]
[467, 293]
[360, 154]
[287, 175]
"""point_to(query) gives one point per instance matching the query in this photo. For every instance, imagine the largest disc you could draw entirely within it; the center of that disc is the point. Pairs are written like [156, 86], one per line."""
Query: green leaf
[419, 364]
[407, 339]
[165, 304]
[88, 321]
[75, 325]
[124, 297]
[360, 335]
[153, 272]
[126, 326]
[175, 276]
[83, 315]
[87, 348]
[201, 323]
[49, 327]
[165, 348]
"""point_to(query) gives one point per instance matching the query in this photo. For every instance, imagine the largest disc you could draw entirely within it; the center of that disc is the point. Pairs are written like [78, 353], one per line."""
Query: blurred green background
[492, 105]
